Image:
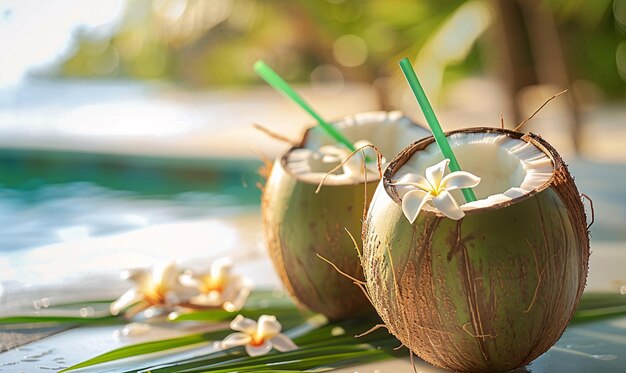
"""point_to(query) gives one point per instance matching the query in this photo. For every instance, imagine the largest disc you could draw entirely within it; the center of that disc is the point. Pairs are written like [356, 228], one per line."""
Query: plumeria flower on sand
[218, 287]
[258, 337]
[155, 289]
[353, 167]
[435, 188]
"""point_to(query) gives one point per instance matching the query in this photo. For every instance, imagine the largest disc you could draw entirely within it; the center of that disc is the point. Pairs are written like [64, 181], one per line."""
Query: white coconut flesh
[390, 132]
[509, 168]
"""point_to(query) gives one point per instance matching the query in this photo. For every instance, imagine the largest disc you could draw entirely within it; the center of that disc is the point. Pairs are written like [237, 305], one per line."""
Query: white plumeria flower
[218, 287]
[435, 188]
[259, 338]
[156, 288]
[354, 165]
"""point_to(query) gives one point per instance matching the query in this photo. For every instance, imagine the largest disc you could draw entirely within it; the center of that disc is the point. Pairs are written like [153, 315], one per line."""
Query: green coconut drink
[300, 223]
[495, 289]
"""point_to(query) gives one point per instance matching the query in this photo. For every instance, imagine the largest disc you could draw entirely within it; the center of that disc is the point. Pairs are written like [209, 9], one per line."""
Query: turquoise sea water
[46, 197]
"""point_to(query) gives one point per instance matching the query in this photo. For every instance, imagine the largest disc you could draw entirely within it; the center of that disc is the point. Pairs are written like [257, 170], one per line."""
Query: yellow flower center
[155, 295]
[257, 340]
[212, 284]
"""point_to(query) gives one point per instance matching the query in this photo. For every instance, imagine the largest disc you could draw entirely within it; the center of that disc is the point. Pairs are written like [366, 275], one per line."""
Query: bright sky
[40, 33]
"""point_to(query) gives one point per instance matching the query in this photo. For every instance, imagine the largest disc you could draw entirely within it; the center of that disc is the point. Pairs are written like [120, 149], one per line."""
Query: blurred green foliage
[214, 43]
[591, 33]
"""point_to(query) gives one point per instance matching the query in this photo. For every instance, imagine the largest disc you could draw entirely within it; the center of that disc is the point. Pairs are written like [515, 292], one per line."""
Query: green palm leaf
[171, 343]
[151, 347]
[325, 347]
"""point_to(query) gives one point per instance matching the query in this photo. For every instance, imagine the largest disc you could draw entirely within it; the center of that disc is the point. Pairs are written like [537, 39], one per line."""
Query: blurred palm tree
[200, 43]
[521, 42]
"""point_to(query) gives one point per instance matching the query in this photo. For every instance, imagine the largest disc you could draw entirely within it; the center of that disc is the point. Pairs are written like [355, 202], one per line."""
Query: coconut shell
[299, 224]
[490, 292]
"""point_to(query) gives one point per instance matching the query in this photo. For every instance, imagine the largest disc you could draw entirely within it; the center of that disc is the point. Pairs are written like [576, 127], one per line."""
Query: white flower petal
[415, 180]
[283, 343]
[459, 179]
[202, 301]
[165, 275]
[242, 324]
[189, 279]
[261, 349]
[268, 327]
[235, 339]
[412, 203]
[434, 174]
[220, 268]
[207, 300]
[445, 203]
[237, 294]
[232, 286]
[129, 298]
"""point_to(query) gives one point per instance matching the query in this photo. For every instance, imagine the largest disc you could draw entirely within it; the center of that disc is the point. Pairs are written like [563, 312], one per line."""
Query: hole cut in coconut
[319, 154]
[509, 168]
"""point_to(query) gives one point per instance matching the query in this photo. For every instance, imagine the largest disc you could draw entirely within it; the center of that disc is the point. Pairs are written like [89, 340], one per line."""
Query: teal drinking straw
[273, 79]
[431, 118]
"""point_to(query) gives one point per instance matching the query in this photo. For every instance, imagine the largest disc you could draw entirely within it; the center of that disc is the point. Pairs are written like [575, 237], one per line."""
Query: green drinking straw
[281, 86]
[431, 118]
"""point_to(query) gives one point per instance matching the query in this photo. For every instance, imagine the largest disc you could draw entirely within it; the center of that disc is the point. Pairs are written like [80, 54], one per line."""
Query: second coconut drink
[300, 223]
[479, 269]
